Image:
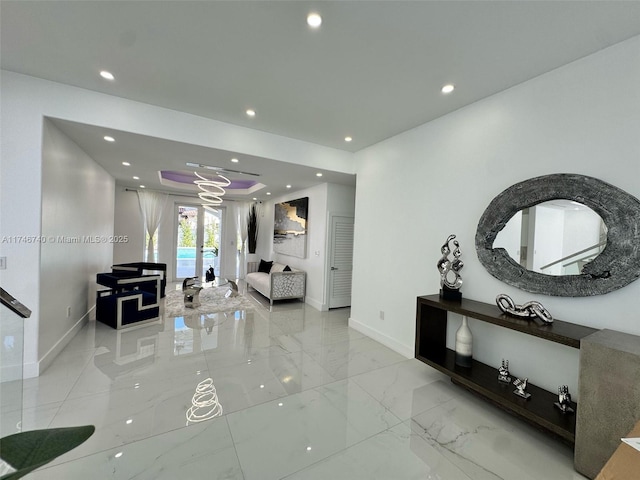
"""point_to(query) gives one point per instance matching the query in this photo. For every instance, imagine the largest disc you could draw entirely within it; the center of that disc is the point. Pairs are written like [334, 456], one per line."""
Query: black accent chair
[139, 268]
[130, 300]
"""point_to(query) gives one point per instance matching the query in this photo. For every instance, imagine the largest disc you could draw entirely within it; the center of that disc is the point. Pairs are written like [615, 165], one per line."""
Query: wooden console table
[481, 379]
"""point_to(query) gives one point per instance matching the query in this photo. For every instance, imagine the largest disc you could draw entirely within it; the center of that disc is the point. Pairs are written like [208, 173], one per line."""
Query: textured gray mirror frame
[617, 265]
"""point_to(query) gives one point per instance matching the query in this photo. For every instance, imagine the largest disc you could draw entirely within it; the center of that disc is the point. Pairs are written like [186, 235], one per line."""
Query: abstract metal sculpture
[564, 399]
[503, 372]
[450, 287]
[521, 386]
[530, 310]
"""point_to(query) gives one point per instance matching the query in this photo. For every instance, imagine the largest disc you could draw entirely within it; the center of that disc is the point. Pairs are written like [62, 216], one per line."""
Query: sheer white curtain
[243, 211]
[151, 206]
[228, 242]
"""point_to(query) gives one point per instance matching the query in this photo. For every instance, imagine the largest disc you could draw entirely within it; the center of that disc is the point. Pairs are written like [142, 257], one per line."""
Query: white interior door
[340, 261]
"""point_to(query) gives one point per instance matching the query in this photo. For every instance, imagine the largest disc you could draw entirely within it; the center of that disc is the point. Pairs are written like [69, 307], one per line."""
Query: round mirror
[618, 263]
[557, 237]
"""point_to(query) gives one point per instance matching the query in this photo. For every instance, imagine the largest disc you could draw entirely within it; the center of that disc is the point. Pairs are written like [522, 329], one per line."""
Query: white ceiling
[148, 155]
[372, 70]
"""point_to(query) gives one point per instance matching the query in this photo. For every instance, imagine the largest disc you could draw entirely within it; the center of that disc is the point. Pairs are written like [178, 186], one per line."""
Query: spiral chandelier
[212, 190]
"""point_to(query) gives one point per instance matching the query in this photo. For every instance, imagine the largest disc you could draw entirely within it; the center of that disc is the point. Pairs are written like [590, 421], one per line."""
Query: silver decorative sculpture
[564, 399]
[450, 287]
[521, 386]
[530, 310]
[233, 289]
[191, 288]
[503, 372]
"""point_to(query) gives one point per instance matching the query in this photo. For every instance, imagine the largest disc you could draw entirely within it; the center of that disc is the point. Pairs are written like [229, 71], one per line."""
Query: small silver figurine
[530, 310]
[564, 399]
[521, 386]
[447, 268]
[503, 372]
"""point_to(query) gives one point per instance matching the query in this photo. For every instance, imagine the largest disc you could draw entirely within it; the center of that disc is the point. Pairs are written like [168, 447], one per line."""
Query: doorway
[340, 260]
[197, 246]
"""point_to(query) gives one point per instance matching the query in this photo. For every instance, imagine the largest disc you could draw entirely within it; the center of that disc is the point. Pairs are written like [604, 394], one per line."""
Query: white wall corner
[407, 351]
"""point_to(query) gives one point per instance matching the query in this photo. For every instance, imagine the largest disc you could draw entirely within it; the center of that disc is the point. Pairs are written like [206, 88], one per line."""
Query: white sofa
[277, 284]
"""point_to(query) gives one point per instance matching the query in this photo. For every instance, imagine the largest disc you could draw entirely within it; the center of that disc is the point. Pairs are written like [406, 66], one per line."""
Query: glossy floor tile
[393, 453]
[281, 437]
[486, 444]
[205, 451]
[291, 392]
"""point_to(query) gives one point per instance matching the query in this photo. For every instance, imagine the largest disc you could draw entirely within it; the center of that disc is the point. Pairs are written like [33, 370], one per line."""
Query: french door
[197, 246]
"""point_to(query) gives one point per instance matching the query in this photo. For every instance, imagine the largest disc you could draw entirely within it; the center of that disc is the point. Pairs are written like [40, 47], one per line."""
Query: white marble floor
[302, 395]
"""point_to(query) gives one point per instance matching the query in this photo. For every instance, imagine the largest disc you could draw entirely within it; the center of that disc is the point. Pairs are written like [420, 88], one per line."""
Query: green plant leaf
[27, 451]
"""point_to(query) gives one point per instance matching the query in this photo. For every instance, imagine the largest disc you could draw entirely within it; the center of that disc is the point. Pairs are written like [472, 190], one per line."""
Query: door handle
[334, 268]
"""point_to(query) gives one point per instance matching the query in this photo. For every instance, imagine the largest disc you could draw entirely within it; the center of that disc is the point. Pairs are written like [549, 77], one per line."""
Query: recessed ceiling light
[268, 193]
[235, 160]
[129, 421]
[251, 113]
[448, 88]
[254, 199]
[347, 139]
[308, 449]
[109, 139]
[118, 455]
[142, 186]
[318, 174]
[136, 178]
[314, 20]
[126, 164]
[288, 186]
[107, 75]
[280, 404]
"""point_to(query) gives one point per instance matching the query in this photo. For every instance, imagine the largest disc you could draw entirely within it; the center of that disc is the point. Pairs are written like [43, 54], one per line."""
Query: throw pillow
[286, 269]
[265, 266]
[277, 267]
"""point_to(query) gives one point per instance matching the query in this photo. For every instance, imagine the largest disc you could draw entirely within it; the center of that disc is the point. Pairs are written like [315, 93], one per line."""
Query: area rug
[212, 300]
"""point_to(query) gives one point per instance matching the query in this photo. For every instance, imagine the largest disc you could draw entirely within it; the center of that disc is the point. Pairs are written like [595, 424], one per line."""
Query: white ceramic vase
[464, 344]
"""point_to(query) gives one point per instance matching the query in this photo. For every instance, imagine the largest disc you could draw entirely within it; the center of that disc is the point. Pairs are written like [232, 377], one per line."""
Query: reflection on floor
[294, 393]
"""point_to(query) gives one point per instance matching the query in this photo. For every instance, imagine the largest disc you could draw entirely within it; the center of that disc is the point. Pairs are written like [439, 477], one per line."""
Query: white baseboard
[54, 351]
[315, 304]
[407, 351]
[30, 370]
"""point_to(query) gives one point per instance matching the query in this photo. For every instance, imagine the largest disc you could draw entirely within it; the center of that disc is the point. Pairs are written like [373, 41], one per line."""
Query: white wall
[77, 221]
[26, 100]
[582, 118]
